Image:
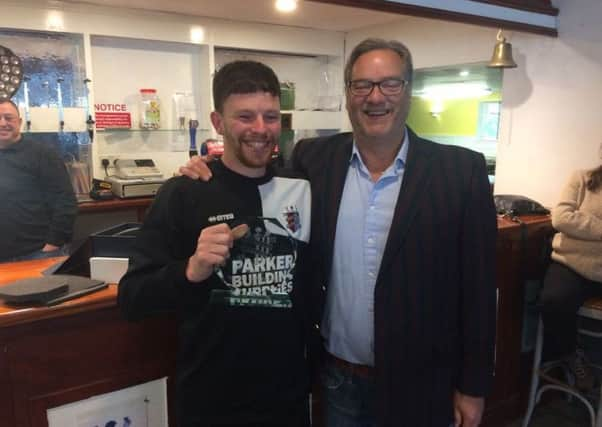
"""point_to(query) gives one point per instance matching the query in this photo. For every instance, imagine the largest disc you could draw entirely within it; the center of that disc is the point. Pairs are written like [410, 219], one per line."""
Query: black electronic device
[48, 290]
[34, 291]
[116, 241]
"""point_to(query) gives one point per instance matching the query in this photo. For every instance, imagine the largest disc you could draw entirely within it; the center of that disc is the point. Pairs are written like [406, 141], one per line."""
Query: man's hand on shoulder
[196, 168]
[213, 248]
[468, 410]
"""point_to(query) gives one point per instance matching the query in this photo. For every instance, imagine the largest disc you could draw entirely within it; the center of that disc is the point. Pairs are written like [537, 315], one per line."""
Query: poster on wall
[126, 414]
[112, 116]
[144, 405]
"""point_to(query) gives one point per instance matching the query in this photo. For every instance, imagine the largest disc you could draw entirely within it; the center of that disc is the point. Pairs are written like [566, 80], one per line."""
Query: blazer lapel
[415, 183]
[333, 191]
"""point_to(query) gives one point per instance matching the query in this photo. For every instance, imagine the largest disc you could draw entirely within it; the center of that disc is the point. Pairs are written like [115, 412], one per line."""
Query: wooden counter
[10, 316]
[520, 256]
[81, 348]
[102, 214]
[50, 356]
[139, 204]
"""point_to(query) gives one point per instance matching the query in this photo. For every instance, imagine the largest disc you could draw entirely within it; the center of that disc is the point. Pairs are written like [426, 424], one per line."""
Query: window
[489, 120]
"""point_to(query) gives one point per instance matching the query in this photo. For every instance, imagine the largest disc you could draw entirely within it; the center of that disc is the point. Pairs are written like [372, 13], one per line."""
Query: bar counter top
[14, 315]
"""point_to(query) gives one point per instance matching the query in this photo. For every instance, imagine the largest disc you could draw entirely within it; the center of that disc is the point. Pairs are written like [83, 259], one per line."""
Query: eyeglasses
[387, 87]
[9, 118]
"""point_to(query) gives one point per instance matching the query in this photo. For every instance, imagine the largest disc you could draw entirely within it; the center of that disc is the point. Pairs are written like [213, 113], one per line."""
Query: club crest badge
[292, 219]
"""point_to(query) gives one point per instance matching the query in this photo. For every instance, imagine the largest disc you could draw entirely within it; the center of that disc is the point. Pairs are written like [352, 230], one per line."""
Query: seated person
[575, 273]
[37, 203]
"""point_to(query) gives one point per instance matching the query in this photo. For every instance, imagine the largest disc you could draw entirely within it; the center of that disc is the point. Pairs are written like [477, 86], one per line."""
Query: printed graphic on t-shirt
[292, 219]
[260, 269]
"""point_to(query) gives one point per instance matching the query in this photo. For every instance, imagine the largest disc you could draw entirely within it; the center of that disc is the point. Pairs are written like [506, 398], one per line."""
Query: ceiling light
[286, 6]
[197, 34]
[54, 21]
[464, 73]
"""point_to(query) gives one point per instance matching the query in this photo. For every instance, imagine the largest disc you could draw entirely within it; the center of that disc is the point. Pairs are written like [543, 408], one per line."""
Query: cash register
[135, 178]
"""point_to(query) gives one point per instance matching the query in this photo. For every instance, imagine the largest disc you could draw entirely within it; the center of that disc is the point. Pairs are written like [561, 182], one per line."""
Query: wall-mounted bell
[502, 54]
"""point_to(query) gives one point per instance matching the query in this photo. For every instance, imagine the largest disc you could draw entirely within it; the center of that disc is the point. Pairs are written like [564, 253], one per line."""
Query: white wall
[550, 118]
[164, 66]
[552, 115]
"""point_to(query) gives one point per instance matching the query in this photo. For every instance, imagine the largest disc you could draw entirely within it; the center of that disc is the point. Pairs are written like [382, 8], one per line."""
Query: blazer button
[317, 326]
[323, 288]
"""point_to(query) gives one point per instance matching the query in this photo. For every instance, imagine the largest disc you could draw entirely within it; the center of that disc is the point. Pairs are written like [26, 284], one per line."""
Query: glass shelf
[305, 110]
[136, 130]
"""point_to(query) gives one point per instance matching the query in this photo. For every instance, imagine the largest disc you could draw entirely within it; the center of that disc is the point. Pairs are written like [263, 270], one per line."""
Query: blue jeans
[349, 399]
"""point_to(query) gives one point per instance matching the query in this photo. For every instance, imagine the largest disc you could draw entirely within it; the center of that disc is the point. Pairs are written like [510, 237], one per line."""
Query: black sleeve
[478, 297]
[295, 162]
[305, 303]
[59, 198]
[156, 278]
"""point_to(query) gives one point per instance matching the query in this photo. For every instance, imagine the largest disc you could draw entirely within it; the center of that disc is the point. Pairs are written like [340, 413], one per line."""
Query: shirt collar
[398, 163]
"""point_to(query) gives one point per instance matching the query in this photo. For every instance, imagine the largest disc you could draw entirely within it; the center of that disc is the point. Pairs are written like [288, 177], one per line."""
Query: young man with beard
[403, 239]
[38, 206]
[241, 336]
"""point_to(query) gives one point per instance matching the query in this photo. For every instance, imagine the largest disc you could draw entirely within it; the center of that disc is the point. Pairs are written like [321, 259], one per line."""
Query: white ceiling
[308, 14]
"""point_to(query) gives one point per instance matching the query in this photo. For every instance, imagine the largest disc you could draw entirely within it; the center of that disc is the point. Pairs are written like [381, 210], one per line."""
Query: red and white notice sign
[112, 116]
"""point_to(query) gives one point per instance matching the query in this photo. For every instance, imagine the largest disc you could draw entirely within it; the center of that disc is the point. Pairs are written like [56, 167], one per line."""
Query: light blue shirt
[363, 225]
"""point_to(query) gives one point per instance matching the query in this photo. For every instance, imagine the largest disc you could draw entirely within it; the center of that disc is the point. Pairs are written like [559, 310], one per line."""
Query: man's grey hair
[371, 44]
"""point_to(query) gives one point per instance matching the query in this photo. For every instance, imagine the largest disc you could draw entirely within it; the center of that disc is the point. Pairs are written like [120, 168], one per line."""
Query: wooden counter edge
[114, 204]
[105, 298]
[14, 315]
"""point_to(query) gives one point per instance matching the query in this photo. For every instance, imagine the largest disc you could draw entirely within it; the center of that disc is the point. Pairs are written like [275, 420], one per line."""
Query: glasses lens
[387, 87]
[391, 86]
[360, 87]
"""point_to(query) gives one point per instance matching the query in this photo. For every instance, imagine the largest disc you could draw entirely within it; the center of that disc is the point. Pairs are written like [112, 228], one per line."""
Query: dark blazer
[435, 304]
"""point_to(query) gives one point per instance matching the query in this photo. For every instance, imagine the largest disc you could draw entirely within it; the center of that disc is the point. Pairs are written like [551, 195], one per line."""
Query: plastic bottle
[150, 109]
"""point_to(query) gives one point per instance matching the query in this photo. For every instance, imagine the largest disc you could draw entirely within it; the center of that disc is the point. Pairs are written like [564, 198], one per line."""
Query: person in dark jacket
[38, 206]
[403, 247]
[227, 256]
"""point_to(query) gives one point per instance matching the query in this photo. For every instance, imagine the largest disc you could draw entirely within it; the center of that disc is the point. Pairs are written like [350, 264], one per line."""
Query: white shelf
[46, 119]
[148, 131]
